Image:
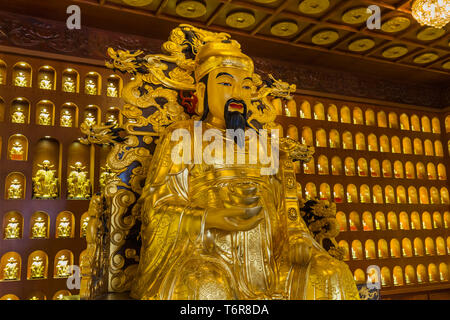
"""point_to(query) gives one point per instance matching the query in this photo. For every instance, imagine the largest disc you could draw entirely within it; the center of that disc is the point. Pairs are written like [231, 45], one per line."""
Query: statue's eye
[246, 87]
[227, 84]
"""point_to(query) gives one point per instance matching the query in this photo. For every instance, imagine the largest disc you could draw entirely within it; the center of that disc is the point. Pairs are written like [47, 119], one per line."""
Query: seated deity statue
[220, 212]
[45, 182]
[78, 184]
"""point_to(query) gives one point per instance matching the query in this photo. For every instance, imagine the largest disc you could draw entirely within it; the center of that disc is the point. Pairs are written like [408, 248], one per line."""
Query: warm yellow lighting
[434, 13]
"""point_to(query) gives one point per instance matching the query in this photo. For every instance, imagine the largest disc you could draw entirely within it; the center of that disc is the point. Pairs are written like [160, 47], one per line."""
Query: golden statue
[90, 119]
[66, 119]
[37, 268]
[18, 116]
[16, 152]
[69, 85]
[45, 118]
[111, 90]
[62, 267]
[216, 226]
[78, 184]
[21, 80]
[46, 83]
[111, 119]
[91, 87]
[45, 182]
[15, 190]
[64, 228]
[12, 230]
[39, 229]
[11, 270]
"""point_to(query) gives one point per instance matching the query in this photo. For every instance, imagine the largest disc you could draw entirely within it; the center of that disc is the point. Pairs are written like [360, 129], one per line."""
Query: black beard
[235, 120]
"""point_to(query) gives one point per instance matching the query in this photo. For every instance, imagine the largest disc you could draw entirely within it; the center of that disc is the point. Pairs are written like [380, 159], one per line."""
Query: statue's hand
[300, 252]
[233, 219]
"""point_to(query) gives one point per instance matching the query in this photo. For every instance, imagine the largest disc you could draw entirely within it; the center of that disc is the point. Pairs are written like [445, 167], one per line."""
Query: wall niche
[10, 266]
[45, 113]
[37, 267]
[79, 174]
[15, 186]
[20, 111]
[65, 225]
[39, 225]
[114, 86]
[69, 115]
[18, 148]
[2, 72]
[47, 78]
[22, 74]
[70, 81]
[12, 225]
[92, 84]
[46, 169]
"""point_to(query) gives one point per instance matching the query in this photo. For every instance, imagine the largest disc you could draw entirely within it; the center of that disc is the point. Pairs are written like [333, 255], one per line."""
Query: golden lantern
[434, 13]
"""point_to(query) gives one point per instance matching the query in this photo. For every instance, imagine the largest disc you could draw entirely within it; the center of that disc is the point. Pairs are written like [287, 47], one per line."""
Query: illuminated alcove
[395, 248]
[319, 113]
[370, 117]
[347, 140]
[393, 120]
[418, 149]
[362, 167]
[307, 136]
[344, 245]
[20, 111]
[65, 225]
[3, 72]
[278, 105]
[358, 116]
[321, 138]
[389, 195]
[354, 221]
[384, 144]
[428, 145]
[10, 266]
[308, 167]
[422, 275]
[70, 80]
[37, 295]
[442, 173]
[433, 273]
[407, 146]
[392, 221]
[324, 191]
[290, 108]
[431, 171]
[46, 156]
[439, 150]
[446, 219]
[374, 168]
[418, 247]
[444, 196]
[63, 261]
[381, 119]
[440, 246]
[426, 124]
[45, 113]
[410, 275]
[9, 296]
[377, 194]
[360, 141]
[332, 113]
[68, 116]
[430, 249]
[404, 220]
[22, 75]
[383, 252]
[310, 191]
[448, 245]
[436, 125]
[91, 115]
[357, 250]
[404, 122]
[364, 193]
[369, 249]
[349, 166]
[292, 131]
[114, 88]
[15, 186]
[385, 277]
[372, 142]
[352, 194]
[396, 145]
[59, 295]
[334, 139]
[305, 110]
[426, 221]
[397, 275]
[92, 84]
[342, 221]
[322, 165]
[39, 225]
[78, 165]
[338, 193]
[12, 225]
[46, 78]
[345, 115]
[37, 267]
[2, 110]
[359, 276]
[380, 221]
[443, 271]
[18, 148]
[398, 170]
[415, 123]
[407, 250]
[336, 166]
[386, 168]
[434, 195]
[412, 195]
[415, 221]
[421, 172]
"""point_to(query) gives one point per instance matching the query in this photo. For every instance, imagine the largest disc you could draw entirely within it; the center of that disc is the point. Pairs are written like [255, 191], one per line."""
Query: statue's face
[228, 91]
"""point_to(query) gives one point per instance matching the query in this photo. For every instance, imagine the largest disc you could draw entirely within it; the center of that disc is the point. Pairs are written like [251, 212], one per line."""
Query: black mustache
[233, 100]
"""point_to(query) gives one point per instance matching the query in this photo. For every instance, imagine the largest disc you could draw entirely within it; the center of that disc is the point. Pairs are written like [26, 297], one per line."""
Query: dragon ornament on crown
[163, 94]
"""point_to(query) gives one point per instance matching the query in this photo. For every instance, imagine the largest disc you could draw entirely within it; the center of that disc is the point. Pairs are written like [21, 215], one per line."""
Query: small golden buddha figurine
[18, 116]
[62, 267]
[37, 268]
[111, 90]
[111, 119]
[90, 119]
[45, 118]
[78, 184]
[15, 190]
[45, 182]
[16, 152]
[39, 229]
[34, 298]
[21, 80]
[105, 176]
[11, 270]
[64, 228]
[69, 85]
[66, 119]
[91, 87]
[46, 83]
[84, 225]
[12, 230]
